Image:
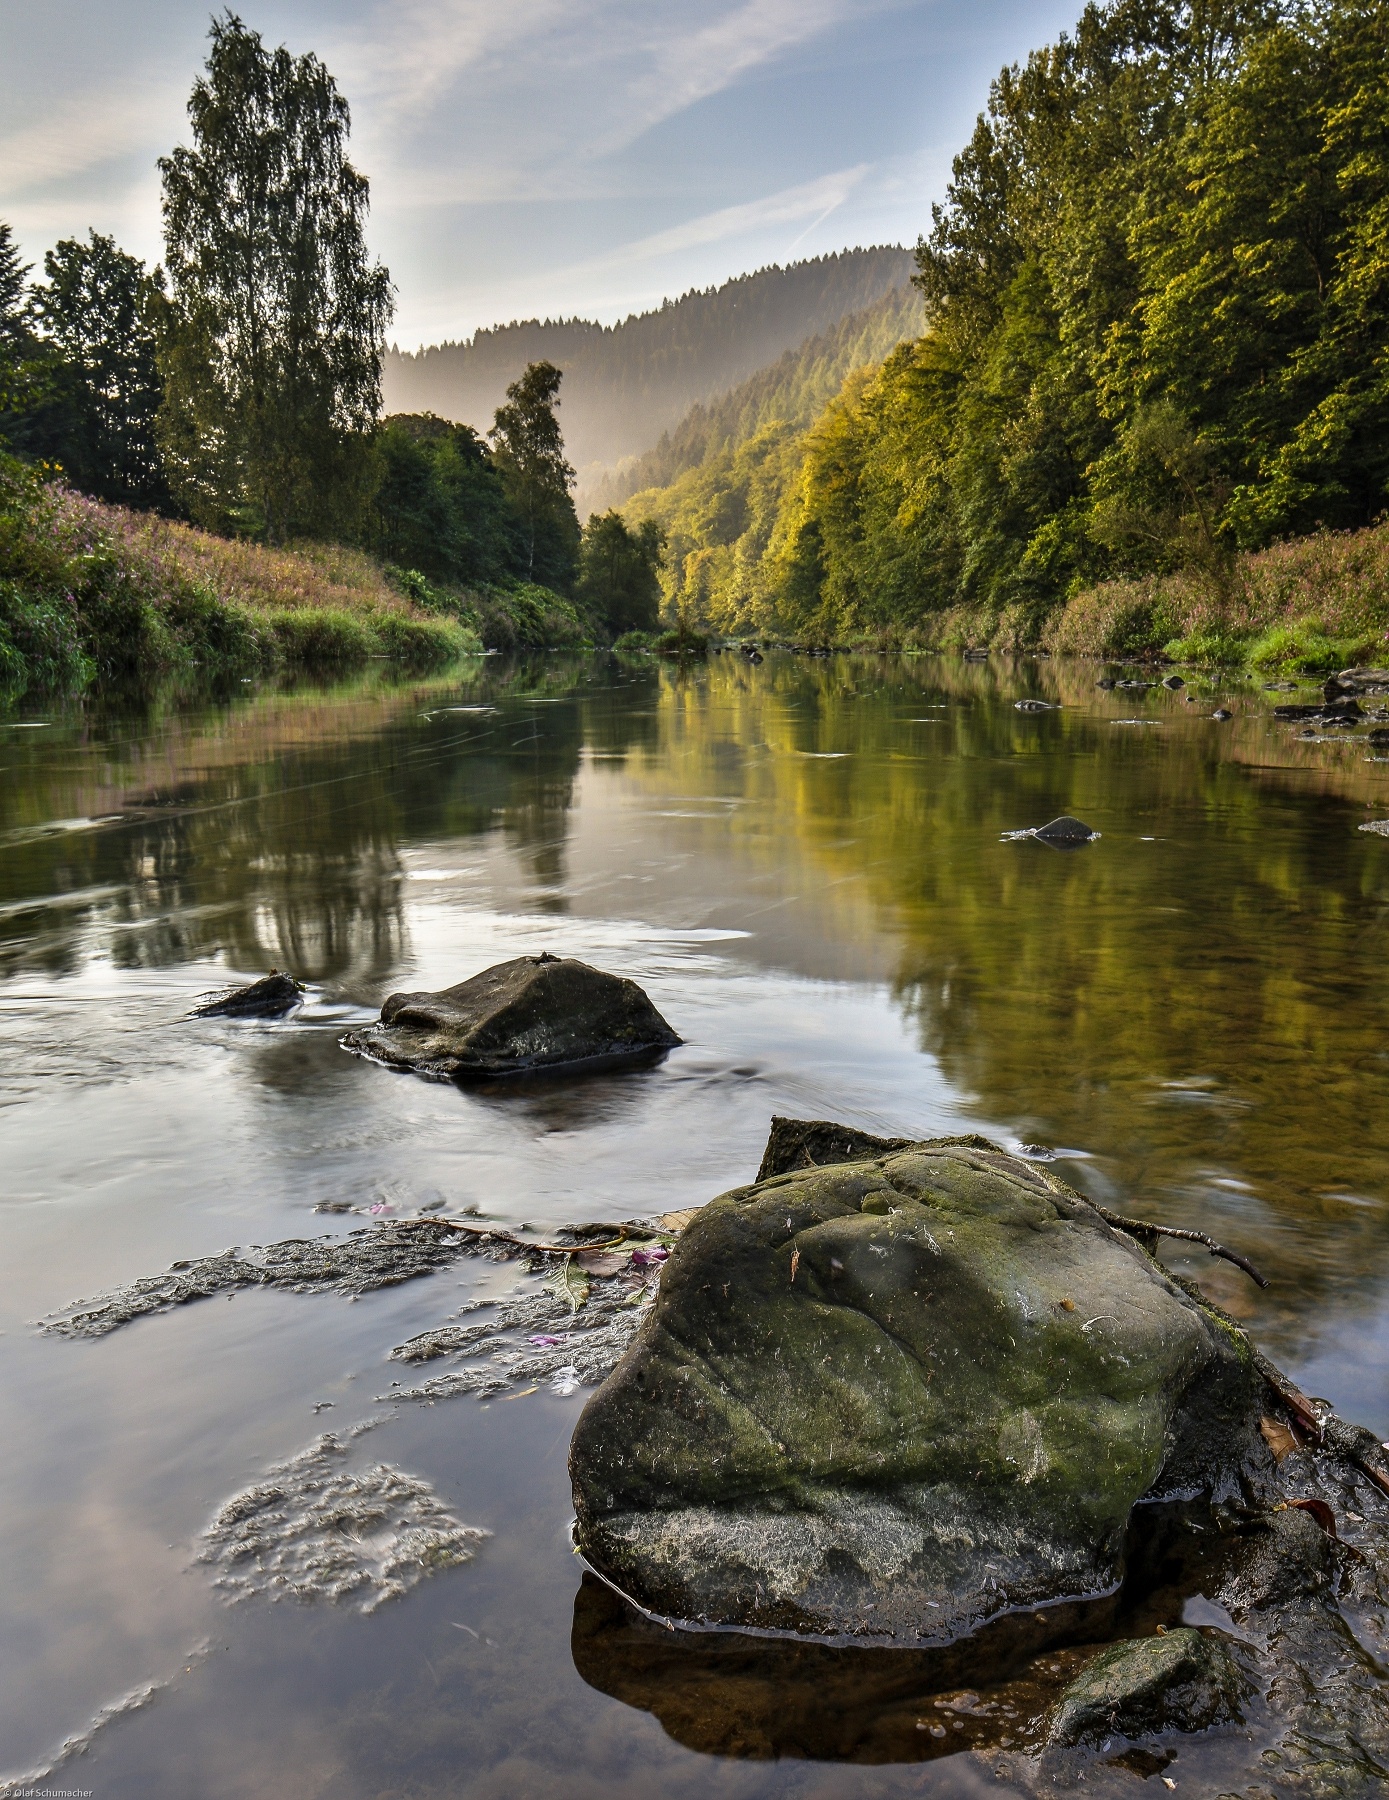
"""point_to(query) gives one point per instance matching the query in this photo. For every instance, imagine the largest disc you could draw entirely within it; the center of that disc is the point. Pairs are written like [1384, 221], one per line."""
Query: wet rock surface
[1182, 1680]
[893, 1398]
[1065, 833]
[531, 1014]
[271, 997]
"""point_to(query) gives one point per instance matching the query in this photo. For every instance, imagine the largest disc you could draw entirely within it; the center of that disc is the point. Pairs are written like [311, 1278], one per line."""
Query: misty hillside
[794, 390]
[625, 384]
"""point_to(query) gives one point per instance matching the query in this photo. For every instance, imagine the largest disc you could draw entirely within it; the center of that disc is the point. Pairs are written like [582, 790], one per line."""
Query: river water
[806, 864]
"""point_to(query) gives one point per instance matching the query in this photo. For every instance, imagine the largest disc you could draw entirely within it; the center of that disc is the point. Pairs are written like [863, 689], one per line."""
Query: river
[807, 865]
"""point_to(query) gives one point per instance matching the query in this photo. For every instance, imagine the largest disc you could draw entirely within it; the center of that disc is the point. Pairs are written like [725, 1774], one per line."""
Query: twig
[1141, 1228]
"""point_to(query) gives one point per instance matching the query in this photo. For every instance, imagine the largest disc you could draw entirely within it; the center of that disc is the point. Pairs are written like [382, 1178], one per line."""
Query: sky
[537, 158]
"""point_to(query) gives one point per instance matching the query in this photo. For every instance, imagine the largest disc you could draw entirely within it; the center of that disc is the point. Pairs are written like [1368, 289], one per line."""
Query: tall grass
[1313, 603]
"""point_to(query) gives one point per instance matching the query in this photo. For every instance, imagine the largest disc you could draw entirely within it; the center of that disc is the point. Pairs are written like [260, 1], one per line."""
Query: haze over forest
[627, 384]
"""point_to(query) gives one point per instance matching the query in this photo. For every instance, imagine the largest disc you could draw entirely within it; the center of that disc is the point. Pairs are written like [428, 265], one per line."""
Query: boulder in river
[269, 998]
[1173, 683]
[1065, 833]
[894, 1397]
[1180, 1680]
[534, 1013]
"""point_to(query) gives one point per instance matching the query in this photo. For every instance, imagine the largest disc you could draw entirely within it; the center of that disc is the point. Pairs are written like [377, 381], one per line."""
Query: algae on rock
[893, 1398]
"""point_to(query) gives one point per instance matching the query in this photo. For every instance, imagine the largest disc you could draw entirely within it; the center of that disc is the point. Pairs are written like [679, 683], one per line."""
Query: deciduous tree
[272, 364]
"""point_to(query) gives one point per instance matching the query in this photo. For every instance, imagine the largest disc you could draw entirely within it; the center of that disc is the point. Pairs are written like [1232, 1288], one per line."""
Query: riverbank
[91, 592]
[1311, 605]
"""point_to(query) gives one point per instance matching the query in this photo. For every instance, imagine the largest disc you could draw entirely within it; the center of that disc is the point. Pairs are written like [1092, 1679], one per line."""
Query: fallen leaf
[569, 1284]
[1320, 1511]
[1278, 1438]
[1068, 1306]
[795, 1263]
[601, 1262]
[677, 1221]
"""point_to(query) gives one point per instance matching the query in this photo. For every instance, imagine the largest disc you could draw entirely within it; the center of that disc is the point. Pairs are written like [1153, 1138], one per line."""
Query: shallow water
[805, 864]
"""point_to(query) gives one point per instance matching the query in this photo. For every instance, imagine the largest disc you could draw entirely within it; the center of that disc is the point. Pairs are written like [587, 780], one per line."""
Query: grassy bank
[90, 592]
[1311, 604]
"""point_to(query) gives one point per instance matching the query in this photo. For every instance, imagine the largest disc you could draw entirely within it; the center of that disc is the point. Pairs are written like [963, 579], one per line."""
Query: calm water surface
[805, 865]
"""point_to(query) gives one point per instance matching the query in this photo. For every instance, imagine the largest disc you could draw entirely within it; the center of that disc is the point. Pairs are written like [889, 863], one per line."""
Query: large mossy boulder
[530, 1014]
[896, 1396]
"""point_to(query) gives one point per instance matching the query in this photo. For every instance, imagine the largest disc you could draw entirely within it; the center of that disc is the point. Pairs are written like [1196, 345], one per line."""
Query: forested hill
[1158, 293]
[625, 384]
[793, 390]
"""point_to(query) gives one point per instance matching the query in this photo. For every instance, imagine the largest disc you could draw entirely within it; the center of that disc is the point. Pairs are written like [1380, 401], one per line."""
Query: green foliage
[794, 391]
[1303, 648]
[1209, 647]
[1158, 304]
[521, 615]
[528, 451]
[100, 311]
[626, 384]
[90, 591]
[440, 505]
[272, 352]
[27, 367]
[619, 572]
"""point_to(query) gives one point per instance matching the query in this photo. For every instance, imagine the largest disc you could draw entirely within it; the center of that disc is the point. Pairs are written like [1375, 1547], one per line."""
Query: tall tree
[272, 365]
[99, 310]
[620, 570]
[528, 449]
[24, 383]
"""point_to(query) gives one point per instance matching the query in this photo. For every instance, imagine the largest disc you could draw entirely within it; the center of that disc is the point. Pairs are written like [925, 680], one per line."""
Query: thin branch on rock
[1143, 1228]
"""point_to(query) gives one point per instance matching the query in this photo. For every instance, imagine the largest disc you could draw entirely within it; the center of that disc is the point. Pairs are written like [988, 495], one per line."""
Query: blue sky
[538, 157]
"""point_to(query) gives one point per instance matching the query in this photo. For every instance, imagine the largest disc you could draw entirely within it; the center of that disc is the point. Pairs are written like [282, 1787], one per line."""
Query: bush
[313, 637]
[1209, 647]
[39, 644]
[424, 643]
[636, 643]
[1304, 648]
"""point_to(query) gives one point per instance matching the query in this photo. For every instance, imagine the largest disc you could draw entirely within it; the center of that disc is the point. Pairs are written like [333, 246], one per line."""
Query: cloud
[84, 132]
[568, 81]
[812, 199]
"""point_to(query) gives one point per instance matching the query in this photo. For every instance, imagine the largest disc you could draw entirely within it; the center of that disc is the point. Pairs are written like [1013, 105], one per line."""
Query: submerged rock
[1065, 833]
[1033, 706]
[532, 1013]
[269, 998]
[1181, 1681]
[898, 1396]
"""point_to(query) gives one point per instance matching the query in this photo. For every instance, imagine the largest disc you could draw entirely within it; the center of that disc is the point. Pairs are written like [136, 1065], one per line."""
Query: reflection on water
[806, 865]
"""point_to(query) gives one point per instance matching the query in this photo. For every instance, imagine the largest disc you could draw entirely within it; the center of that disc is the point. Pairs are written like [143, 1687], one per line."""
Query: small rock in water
[1222, 712]
[1380, 826]
[1033, 706]
[1173, 683]
[532, 1013]
[269, 998]
[1065, 833]
[1181, 1681]
[1106, 682]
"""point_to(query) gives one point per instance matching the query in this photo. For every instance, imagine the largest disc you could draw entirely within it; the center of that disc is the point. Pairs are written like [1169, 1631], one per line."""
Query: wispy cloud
[85, 132]
[811, 199]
